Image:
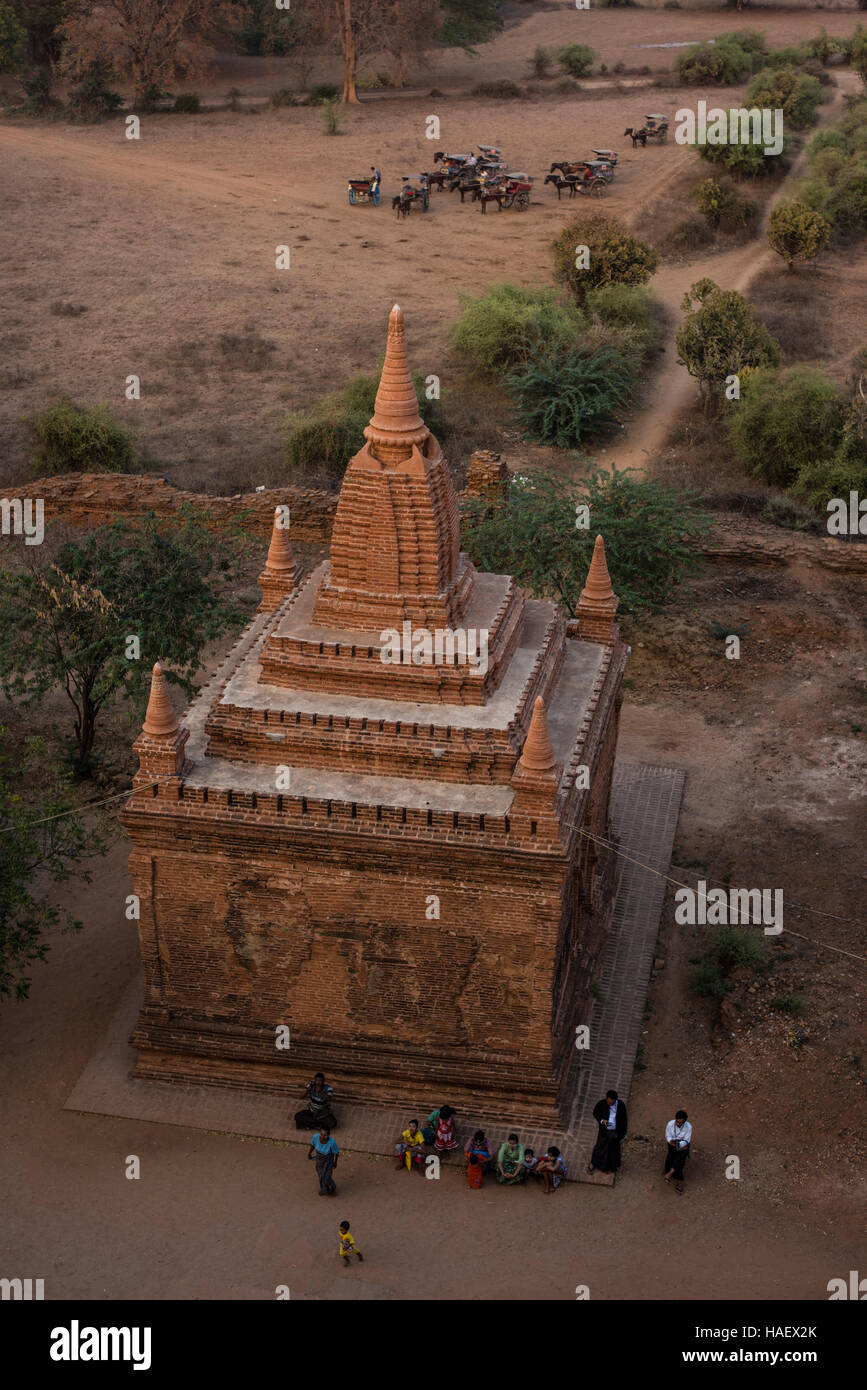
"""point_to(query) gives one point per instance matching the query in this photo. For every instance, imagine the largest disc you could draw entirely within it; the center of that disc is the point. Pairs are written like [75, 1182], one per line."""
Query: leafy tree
[320, 442]
[468, 22]
[65, 624]
[858, 53]
[91, 98]
[150, 41]
[43, 831]
[576, 59]
[720, 336]
[747, 159]
[508, 324]
[359, 29]
[69, 438]
[784, 421]
[565, 397]
[40, 20]
[796, 232]
[721, 63]
[796, 94]
[12, 38]
[615, 256]
[722, 206]
[652, 535]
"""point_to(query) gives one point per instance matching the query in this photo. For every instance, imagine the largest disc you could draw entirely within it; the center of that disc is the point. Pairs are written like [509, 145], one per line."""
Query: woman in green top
[510, 1162]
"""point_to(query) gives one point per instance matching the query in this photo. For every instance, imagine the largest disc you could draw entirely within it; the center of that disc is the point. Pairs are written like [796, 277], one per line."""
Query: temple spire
[160, 720]
[598, 602]
[537, 755]
[396, 424]
[280, 574]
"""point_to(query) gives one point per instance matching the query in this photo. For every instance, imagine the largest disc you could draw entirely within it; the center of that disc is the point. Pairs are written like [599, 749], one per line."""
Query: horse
[466, 186]
[566, 168]
[638, 137]
[437, 179]
[401, 206]
[489, 193]
[561, 183]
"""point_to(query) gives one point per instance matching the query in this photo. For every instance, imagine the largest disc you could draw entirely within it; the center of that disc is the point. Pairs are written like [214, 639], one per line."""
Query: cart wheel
[425, 202]
[597, 188]
[522, 202]
[663, 136]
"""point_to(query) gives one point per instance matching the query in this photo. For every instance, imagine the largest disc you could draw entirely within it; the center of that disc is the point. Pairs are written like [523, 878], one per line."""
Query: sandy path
[673, 388]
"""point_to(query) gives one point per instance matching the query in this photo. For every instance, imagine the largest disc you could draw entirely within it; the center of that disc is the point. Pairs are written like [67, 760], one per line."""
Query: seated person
[480, 1146]
[440, 1129]
[510, 1162]
[410, 1147]
[530, 1162]
[552, 1169]
[318, 1114]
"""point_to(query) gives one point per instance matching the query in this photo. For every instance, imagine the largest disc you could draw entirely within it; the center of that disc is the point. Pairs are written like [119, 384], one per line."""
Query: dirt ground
[130, 257]
[169, 243]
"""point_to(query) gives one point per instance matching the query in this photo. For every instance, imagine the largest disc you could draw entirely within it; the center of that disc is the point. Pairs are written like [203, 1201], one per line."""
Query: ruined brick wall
[241, 932]
[91, 499]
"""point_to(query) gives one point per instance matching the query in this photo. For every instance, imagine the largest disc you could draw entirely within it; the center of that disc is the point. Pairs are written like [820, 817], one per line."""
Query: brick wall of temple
[240, 935]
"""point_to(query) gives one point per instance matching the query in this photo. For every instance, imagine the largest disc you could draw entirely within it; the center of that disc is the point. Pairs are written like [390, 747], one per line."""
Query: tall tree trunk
[350, 56]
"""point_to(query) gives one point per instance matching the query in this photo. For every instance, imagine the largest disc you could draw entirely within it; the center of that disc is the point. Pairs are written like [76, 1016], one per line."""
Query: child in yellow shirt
[348, 1248]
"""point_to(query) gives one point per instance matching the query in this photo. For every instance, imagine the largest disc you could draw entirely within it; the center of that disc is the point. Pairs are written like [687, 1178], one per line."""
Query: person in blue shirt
[325, 1151]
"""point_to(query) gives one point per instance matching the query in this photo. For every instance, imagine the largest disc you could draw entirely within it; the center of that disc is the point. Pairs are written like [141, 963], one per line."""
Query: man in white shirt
[678, 1137]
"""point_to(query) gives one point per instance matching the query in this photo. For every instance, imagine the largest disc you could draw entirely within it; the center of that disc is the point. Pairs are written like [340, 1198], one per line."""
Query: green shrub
[822, 476]
[321, 441]
[507, 324]
[750, 40]
[791, 57]
[576, 59]
[284, 96]
[540, 63]
[791, 515]
[90, 97]
[796, 94]
[616, 256]
[731, 949]
[70, 438]
[565, 397]
[323, 91]
[747, 159]
[796, 232]
[503, 90]
[652, 535]
[719, 64]
[791, 1004]
[785, 421]
[37, 84]
[187, 103]
[626, 306]
[722, 207]
[330, 116]
[12, 38]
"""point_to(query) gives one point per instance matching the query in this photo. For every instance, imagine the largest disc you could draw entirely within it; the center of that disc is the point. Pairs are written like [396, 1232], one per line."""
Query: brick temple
[387, 854]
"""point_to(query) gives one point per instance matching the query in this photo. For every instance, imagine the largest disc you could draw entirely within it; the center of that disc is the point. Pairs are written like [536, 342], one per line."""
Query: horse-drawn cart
[364, 191]
[517, 190]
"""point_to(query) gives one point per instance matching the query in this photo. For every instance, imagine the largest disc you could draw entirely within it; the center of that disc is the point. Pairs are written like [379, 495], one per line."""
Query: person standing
[610, 1115]
[325, 1151]
[678, 1137]
[348, 1248]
